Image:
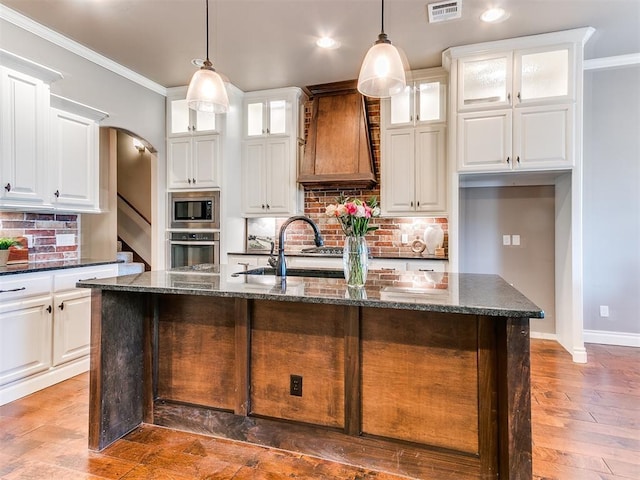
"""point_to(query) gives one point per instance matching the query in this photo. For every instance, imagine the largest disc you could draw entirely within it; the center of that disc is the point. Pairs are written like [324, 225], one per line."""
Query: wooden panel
[420, 378]
[298, 339]
[196, 351]
[352, 403]
[488, 395]
[242, 356]
[514, 399]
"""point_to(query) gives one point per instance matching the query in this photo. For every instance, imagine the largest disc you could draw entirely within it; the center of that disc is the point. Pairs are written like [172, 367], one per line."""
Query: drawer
[428, 265]
[24, 285]
[67, 279]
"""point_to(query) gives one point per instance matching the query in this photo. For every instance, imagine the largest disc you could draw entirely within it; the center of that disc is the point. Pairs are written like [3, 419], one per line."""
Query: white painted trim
[612, 338]
[72, 46]
[543, 336]
[29, 385]
[612, 62]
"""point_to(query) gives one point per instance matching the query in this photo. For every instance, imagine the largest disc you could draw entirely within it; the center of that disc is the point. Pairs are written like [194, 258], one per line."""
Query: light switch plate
[506, 239]
[515, 240]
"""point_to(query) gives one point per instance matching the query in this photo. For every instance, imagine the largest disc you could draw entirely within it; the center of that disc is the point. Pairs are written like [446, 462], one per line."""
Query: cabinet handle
[49, 309]
[193, 128]
[519, 99]
[508, 160]
[57, 193]
[417, 118]
[13, 290]
[518, 159]
[268, 131]
[61, 306]
[426, 270]
[189, 180]
[268, 206]
[194, 181]
[412, 203]
[509, 97]
[389, 269]
[418, 203]
[246, 264]
[262, 206]
[87, 279]
[7, 187]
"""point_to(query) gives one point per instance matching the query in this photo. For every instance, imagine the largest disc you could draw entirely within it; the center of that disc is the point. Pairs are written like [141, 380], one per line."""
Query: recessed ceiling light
[494, 15]
[328, 43]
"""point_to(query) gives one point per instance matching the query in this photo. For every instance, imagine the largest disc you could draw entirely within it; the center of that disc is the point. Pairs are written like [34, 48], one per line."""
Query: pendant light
[206, 92]
[382, 72]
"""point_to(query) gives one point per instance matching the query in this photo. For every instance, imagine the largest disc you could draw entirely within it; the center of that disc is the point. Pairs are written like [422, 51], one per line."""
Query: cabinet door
[398, 170]
[485, 81]
[71, 325]
[430, 98]
[278, 176]
[206, 161]
[179, 163]
[542, 137]
[23, 133]
[74, 180]
[484, 141]
[255, 121]
[399, 109]
[544, 75]
[253, 177]
[431, 175]
[25, 338]
[180, 122]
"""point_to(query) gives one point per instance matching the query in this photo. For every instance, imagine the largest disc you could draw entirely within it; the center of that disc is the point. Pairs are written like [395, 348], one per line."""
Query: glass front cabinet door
[265, 117]
[423, 101]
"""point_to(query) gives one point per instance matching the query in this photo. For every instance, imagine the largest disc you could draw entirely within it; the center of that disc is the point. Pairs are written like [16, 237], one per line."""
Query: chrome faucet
[281, 266]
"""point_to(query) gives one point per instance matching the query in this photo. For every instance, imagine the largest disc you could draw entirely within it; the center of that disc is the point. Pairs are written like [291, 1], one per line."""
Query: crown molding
[612, 62]
[72, 46]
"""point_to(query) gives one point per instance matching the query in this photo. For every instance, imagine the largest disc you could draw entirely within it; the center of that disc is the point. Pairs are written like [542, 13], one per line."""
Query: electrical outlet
[604, 310]
[405, 238]
[65, 239]
[295, 385]
[506, 240]
[515, 240]
[29, 240]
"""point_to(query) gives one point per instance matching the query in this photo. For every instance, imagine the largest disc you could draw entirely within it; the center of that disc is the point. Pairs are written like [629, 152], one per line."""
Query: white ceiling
[261, 44]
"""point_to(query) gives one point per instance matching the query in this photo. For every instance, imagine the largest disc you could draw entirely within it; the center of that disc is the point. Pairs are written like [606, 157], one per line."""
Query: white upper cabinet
[24, 129]
[194, 162]
[516, 102]
[272, 129]
[516, 78]
[267, 116]
[423, 101]
[413, 145]
[75, 159]
[183, 121]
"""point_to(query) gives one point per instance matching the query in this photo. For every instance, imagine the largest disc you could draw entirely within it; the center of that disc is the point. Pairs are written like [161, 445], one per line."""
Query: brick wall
[388, 238]
[44, 228]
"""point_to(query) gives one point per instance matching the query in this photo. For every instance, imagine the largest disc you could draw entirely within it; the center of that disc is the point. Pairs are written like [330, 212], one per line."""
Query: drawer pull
[391, 269]
[13, 290]
[61, 306]
[246, 264]
[49, 309]
[426, 270]
[87, 279]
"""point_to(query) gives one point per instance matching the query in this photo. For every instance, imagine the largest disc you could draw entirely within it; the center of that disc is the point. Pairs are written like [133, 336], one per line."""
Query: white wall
[612, 200]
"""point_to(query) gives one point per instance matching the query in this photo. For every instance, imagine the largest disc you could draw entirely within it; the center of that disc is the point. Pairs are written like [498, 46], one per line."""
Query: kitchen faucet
[281, 266]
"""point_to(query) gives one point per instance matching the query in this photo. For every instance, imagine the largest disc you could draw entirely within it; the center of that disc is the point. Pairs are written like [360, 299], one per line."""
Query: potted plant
[5, 243]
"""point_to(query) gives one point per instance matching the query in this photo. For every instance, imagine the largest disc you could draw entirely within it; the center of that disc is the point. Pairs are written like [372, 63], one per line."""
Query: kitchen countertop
[57, 265]
[387, 256]
[475, 294]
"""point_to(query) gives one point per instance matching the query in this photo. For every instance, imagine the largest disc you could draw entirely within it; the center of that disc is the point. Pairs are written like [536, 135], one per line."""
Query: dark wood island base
[425, 394]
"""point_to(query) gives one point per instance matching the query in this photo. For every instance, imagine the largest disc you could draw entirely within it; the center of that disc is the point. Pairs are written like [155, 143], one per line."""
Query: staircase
[129, 267]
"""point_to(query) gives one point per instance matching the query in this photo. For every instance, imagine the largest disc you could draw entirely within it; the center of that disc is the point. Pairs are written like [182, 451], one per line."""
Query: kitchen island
[420, 374]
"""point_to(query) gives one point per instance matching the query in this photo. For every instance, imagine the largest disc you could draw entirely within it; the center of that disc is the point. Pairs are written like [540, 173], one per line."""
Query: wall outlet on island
[295, 385]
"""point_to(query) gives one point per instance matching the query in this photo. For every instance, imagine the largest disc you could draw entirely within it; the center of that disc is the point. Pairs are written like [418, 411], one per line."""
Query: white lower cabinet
[25, 338]
[71, 325]
[45, 328]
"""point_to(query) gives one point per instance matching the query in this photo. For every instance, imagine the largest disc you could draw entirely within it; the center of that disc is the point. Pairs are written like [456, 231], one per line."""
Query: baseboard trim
[544, 336]
[27, 386]
[622, 339]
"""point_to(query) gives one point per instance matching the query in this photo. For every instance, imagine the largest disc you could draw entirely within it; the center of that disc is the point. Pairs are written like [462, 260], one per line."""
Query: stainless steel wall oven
[194, 248]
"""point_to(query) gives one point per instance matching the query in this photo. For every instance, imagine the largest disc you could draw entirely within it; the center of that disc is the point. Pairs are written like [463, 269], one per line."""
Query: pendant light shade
[382, 73]
[206, 92]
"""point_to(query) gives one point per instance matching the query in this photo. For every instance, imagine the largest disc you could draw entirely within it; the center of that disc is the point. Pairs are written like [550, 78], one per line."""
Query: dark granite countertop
[387, 256]
[427, 291]
[57, 265]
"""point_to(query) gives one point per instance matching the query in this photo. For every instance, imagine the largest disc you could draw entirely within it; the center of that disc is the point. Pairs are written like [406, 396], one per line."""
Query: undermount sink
[296, 272]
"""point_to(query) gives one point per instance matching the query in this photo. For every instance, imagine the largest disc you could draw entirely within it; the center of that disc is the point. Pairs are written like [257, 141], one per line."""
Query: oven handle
[194, 243]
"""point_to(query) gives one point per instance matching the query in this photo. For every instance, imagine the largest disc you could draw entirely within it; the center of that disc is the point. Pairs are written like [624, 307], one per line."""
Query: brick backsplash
[43, 227]
[388, 238]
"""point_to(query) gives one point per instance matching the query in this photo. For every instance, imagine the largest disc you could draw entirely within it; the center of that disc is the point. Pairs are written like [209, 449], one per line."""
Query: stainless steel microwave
[195, 210]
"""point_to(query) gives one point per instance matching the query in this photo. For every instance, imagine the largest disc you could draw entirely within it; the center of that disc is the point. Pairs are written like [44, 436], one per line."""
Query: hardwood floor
[586, 425]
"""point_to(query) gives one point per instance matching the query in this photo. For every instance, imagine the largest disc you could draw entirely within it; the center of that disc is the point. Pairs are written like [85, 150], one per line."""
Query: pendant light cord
[382, 19]
[208, 30]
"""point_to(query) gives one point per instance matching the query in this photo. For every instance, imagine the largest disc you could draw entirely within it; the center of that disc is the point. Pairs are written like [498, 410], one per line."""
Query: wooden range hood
[338, 151]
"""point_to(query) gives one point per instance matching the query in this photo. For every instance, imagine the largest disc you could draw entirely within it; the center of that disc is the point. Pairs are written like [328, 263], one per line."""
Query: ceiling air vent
[442, 11]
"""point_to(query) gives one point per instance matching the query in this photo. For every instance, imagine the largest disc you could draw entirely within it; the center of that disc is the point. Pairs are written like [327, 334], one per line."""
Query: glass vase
[355, 261]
